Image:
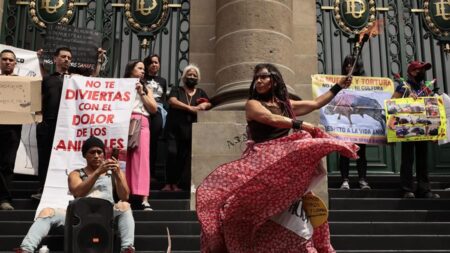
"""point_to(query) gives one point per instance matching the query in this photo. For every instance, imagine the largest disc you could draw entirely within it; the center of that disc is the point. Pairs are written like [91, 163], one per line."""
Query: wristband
[335, 89]
[297, 124]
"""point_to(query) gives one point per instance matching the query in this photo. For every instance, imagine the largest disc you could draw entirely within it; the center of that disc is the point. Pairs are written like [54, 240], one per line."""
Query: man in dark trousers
[51, 95]
[415, 87]
[9, 139]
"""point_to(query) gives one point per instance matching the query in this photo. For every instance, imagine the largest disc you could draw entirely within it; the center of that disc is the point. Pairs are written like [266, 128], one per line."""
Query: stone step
[142, 228]
[390, 228]
[391, 242]
[388, 204]
[392, 251]
[142, 242]
[154, 194]
[390, 215]
[376, 193]
[157, 204]
[387, 185]
[139, 215]
[33, 184]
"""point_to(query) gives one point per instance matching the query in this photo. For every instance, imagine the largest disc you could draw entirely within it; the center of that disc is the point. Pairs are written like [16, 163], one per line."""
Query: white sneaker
[146, 206]
[345, 185]
[6, 206]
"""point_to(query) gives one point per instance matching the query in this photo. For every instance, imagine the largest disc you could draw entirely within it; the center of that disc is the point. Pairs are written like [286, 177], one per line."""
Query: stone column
[249, 32]
[2, 4]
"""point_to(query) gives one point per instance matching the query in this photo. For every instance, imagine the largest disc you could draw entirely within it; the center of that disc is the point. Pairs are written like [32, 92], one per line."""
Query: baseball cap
[418, 65]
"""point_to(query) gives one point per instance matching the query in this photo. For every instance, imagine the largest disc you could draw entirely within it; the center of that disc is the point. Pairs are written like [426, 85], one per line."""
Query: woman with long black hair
[361, 162]
[238, 202]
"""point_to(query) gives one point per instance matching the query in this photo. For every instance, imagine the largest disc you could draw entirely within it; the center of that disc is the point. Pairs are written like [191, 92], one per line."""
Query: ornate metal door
[407, 35]
[123, 31]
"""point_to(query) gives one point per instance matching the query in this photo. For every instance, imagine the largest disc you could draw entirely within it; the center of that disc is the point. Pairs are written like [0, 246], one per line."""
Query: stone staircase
[379, 221]
[171, 211]
[371, 221]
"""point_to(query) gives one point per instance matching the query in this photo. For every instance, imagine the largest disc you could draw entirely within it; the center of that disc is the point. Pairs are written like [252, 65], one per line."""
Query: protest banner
[27, 155]
[421, 119]
[82, 42]
[89, 106]
[355, 114]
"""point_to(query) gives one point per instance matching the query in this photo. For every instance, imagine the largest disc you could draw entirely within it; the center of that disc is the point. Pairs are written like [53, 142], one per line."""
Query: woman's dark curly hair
[359, 67]
[279, 89]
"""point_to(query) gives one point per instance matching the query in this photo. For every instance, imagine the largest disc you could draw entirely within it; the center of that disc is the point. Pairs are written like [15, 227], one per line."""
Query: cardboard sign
[20, 99]
[421, 119]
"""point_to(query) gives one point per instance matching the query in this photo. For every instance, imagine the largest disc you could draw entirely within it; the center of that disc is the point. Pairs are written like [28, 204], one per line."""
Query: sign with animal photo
[421, 119]
[355, 114]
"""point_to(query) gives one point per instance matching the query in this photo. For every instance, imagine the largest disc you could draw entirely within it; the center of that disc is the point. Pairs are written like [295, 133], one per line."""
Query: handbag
[134, 133]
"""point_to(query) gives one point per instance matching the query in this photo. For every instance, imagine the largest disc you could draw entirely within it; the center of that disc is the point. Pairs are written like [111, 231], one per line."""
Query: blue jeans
[44, 223]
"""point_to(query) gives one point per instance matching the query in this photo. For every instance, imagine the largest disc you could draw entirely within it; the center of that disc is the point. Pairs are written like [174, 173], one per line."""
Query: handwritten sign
[20, 98]
[82, 42]
[315, 209]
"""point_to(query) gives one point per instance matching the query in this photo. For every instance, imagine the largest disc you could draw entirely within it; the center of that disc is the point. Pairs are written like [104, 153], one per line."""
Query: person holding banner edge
[414, 87]
[138, 158]
[51, 96]
[361, 162]
[9, 137]
[236, 202]
[95, 180]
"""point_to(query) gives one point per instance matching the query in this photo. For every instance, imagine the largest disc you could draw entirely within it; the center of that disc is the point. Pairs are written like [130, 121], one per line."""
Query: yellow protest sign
[421, 119]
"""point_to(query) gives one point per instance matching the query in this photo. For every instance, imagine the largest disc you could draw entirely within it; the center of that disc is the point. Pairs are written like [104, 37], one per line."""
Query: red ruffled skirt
[236, 201]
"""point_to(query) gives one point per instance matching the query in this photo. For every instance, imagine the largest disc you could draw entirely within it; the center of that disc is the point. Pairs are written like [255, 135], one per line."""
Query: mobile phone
[115, 153]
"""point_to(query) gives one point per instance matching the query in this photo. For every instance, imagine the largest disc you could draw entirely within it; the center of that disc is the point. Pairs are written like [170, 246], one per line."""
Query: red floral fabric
[236, 201]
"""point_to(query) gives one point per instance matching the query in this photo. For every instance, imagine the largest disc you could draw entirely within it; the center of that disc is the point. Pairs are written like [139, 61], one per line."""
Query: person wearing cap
[415, 87]
[10, 137]
[95, 180]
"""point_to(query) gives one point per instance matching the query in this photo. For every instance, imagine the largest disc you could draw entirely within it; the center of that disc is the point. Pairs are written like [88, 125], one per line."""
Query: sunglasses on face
[262, 76]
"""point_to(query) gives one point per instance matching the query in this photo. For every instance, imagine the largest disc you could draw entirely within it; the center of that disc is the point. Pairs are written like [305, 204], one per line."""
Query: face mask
[420, 77]
[191, 82]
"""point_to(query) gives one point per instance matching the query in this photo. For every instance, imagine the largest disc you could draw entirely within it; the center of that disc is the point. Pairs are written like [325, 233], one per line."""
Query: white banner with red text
[89, 106]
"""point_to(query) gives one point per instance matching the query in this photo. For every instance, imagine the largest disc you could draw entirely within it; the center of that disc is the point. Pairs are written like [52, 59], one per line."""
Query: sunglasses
[262, 76]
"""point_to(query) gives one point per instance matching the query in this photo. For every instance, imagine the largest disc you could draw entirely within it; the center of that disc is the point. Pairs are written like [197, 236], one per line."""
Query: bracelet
[297, 124]
[335, 89]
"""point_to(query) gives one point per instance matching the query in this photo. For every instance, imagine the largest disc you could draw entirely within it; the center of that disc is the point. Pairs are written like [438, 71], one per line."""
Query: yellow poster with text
[421, 119]
[355, 114]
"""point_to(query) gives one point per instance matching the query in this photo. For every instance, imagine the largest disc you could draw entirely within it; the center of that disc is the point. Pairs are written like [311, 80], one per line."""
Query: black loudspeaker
[89, 226]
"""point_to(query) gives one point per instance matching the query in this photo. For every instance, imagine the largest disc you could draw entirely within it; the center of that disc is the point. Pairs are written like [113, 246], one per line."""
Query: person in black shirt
[51, 95]
[184, 103]
[157, 120]
[9, 137]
